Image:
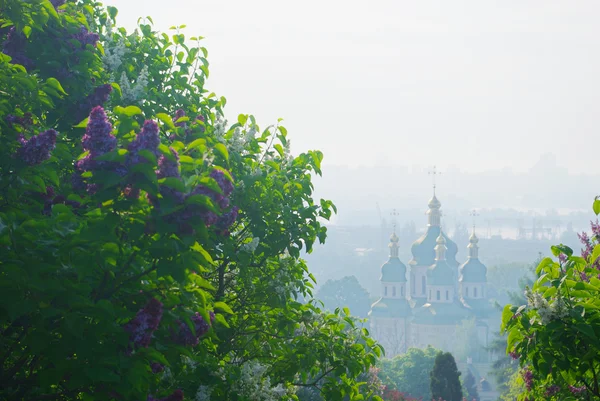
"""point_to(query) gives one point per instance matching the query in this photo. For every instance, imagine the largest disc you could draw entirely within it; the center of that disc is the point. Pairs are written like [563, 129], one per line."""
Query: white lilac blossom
[135, 92]
[547, 311]
[220, 128]
[251, 246]
[113, 54]
[236, 143]
[203, 393]
[253, 384]
[240, 138]
[189, 363]
[287, 157]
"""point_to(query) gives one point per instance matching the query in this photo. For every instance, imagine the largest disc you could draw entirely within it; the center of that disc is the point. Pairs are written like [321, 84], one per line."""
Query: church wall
[391, 333]
[438, 336]
[446, 294]
[418, 281]
[393, 290]
[474, 290]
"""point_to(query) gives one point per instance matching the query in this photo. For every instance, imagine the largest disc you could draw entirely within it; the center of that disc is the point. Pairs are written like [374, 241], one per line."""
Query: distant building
[426, 302]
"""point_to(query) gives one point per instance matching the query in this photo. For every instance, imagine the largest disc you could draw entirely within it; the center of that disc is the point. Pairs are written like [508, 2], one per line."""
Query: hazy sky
[474, 85]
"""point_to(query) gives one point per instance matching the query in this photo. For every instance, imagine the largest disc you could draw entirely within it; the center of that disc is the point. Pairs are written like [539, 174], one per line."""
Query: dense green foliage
[151, 250]
[345, 292]
[555, 335]
[445, 378]
[471, 387]
[409, 373]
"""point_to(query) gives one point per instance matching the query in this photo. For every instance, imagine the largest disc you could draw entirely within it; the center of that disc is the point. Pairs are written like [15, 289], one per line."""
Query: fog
[467, 85]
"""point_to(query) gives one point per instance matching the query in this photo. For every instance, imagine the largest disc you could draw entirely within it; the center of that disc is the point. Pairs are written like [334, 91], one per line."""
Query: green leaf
[279, 149]
[117, 87]
[148, 155]
[117, 155]
[199, 143]
[201, 200]
[543, 264]
[50, 9]
[205, 255]
[82, 124]
[595, 254]
[561, 249]
[587, 330]
[173, 182]
[128, 111]
[596, 206]
[221, 319]
[507, 314]
[222, 306]
[166, 119]
[54, 84]
[222, 150]
[112, 11]
[242, 118]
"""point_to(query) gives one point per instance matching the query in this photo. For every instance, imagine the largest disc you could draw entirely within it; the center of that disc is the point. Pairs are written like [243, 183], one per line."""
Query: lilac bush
[38, 148]
[144, 324]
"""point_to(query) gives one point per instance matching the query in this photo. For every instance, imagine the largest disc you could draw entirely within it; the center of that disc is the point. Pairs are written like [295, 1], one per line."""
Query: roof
[423, 249]
[391, 307]
[393, 271]
[440, 274]
[481, 307]
[473, 271]
[444, 314]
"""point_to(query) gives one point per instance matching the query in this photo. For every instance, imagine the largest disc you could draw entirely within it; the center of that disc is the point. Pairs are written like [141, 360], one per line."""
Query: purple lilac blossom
[177, 395]
[513, 355]
[551, 390]
[146, 139]
[168, 167]
[528, 379]
[98, 97]
[179, 114]
[589, 244]
[59, 199]
[184, 335]
[26, 121]
[577, 390]
[224, 183]
[156, 367]
[98, 139]
[14, 46]
[38, 148]
[57, 3]
[227, 219]
[86, 37]
[145, 323]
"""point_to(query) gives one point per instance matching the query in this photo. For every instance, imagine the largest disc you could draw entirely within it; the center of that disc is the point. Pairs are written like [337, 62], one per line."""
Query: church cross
[394, 213]
[433, 173]
[474, 215]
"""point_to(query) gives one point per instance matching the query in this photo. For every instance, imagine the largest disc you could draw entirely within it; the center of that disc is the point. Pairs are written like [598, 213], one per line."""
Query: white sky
[475, 85]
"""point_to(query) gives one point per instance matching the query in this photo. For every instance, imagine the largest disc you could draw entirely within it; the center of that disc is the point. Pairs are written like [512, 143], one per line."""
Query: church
[427, 301]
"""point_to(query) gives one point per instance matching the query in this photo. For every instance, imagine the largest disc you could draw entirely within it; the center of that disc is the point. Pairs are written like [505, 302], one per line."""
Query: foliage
[345, 292]
[556, 333]
[467, 342]
[150, 250]
[445, 382]
[409, 373]
[395, 395]
[471, 387]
